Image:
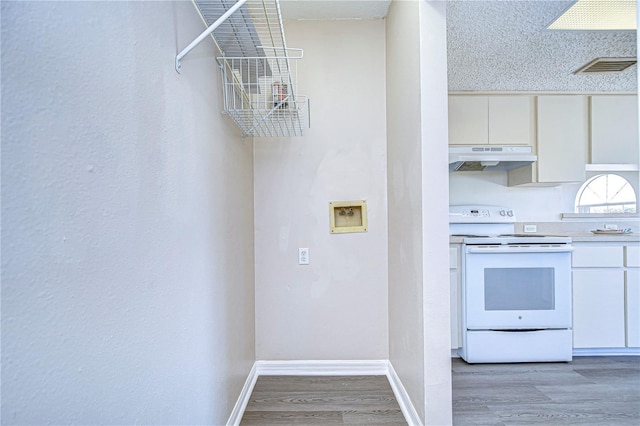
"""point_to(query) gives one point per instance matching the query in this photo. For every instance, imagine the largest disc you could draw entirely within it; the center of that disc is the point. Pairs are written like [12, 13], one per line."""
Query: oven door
[510, 287]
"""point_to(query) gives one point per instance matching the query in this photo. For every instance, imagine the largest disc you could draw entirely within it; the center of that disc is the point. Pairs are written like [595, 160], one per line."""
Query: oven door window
[527, 289]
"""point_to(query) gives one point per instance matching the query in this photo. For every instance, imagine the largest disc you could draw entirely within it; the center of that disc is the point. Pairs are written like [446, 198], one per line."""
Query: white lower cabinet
[598, 308]
[632, 287]
[606, 295]
[633, 307]
[454, 284]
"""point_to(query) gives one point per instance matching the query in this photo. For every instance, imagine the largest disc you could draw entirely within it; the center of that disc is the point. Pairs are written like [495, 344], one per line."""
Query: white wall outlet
[531, 228]
[303, 256]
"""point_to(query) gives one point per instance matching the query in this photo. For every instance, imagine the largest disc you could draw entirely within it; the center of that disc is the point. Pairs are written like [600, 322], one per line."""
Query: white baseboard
[408, 410]
[606, 352]
[243, 399]
[381, 367]
[322, 368]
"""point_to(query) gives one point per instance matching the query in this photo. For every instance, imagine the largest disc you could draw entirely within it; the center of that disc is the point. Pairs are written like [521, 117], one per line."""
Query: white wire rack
[260, 98]
[259, 72]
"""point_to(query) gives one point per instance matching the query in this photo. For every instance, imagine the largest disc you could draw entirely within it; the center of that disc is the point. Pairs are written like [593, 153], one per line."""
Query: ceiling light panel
[594, 15]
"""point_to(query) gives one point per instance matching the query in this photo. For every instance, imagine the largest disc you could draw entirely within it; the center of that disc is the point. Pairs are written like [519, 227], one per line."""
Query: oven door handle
[505, 249]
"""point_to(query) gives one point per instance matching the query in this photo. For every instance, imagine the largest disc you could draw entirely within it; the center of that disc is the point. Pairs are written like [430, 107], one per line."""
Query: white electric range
[516, 289]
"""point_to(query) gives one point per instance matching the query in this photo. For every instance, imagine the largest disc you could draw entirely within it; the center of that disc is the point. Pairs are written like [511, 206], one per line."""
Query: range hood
[489, 158]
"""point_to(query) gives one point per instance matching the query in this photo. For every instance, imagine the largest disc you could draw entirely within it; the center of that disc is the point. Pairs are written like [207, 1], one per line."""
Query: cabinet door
[468, 120]
[454, 296]
[510, 120]
[562, 138]
[614, 129]
[633, 307]
[598, 308]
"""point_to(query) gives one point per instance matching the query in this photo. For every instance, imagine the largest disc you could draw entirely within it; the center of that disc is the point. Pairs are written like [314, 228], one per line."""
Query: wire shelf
[260, 101]
[258, 70]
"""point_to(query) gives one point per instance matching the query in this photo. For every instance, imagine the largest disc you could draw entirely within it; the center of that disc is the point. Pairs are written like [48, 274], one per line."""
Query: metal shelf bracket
[207, 32]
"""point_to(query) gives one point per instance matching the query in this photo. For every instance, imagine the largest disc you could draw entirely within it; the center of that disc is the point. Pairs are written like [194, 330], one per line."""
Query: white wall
[435, 212]
[127, 213]
[404, 186]
[530, 203]
[418, 205]
[336, 307]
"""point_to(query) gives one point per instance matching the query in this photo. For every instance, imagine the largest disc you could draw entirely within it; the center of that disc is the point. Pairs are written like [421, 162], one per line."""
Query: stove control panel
[476, 213]
[480, 214]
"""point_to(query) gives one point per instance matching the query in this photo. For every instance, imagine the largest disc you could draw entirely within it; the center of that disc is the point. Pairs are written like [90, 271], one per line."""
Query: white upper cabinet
[561, 142]
[490, 120]
[511, 120]
[562, 132]
[614, 129]
[468, 120]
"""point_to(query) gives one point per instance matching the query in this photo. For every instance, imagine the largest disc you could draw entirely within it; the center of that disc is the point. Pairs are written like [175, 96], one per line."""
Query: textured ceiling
[504, 45]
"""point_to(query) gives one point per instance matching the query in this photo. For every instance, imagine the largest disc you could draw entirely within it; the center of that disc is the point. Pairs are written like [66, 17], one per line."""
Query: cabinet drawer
[592, 257]
[632, 256]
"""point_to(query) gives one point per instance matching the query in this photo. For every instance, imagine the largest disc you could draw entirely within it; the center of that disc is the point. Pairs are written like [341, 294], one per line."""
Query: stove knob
[502, 213]
[510, 213]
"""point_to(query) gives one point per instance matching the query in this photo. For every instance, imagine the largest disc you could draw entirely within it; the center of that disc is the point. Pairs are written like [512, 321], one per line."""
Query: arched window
[606, 194]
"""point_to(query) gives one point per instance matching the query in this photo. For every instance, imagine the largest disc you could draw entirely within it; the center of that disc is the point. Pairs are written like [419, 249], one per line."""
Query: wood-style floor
[322, 400]
[586, 391]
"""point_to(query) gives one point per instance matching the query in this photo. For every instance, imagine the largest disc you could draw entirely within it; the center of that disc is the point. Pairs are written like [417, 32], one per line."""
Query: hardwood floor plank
[611, 375]
[592, 393]
[475, 415]
[599, 362]
[491, 393]
[459, 366]
[561, 414]
[338, 400]
[520, 378]
[374, 417]
[291, 417]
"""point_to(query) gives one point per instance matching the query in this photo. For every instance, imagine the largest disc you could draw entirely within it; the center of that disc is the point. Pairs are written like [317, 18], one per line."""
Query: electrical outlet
[303, 256]
[531, 228]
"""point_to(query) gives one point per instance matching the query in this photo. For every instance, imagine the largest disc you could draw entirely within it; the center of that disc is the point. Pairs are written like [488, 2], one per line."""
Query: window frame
[592, 179]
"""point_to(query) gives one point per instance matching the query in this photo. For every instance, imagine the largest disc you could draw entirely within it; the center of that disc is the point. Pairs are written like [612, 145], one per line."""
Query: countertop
[583, 237]
[591, 237]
